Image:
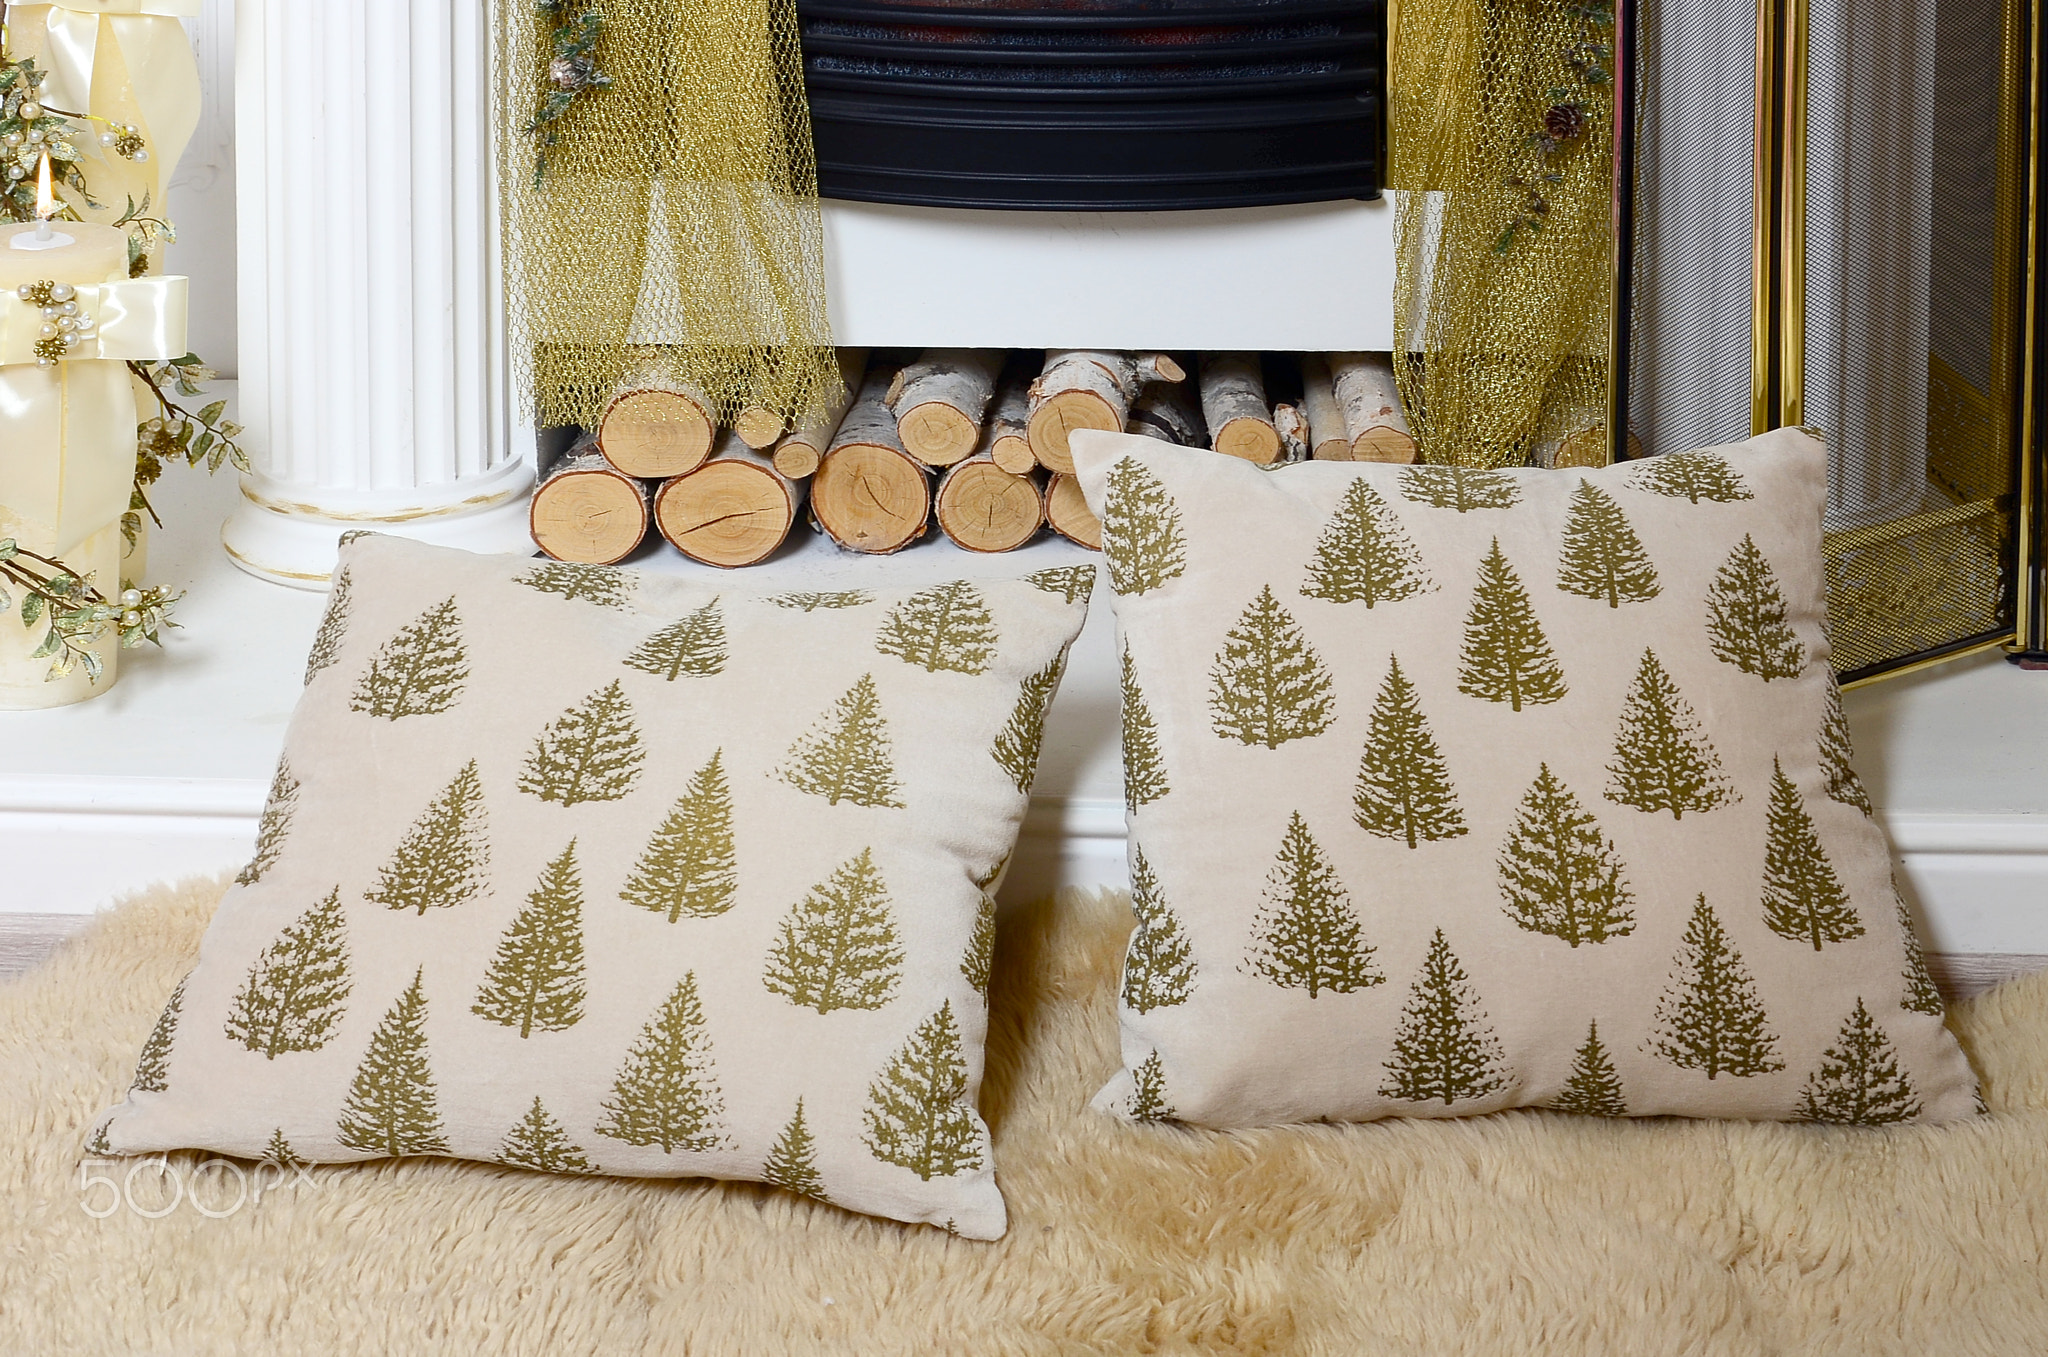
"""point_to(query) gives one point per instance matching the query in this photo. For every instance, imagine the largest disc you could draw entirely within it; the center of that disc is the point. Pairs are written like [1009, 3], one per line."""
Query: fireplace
[1096, 104]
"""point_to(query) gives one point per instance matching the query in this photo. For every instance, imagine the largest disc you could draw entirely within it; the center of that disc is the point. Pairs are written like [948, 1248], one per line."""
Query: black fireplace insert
[1096, 104]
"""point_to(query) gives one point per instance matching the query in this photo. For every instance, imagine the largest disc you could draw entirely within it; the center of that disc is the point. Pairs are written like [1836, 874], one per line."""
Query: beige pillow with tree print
[585, 871]
[1456, 790]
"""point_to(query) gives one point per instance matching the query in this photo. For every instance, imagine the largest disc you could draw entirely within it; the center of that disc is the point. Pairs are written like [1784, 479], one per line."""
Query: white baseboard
[1980, 882]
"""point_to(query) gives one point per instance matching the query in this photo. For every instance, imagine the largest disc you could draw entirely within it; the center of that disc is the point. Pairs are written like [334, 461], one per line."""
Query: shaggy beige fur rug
[1524, 1233]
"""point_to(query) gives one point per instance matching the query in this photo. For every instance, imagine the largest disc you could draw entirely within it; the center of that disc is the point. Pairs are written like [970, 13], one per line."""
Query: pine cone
[1562, 122]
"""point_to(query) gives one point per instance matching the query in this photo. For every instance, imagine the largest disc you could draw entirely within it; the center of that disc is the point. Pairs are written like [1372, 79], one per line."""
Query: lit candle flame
[46, 198]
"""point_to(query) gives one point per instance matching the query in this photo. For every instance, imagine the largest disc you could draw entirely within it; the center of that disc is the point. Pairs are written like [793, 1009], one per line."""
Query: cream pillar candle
[67, 440]
[375, 385]
[77, 252]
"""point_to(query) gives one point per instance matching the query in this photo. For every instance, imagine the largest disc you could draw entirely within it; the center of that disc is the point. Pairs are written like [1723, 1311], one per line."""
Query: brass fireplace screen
[1884, 249]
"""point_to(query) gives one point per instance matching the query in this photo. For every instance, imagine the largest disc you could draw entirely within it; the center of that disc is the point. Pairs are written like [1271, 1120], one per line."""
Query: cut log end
[1255, 440]
[870, 498]
[656, 434]
[1384, 443]
[985, 508]
[937, 434]
[796, 460]
[726, 513]
[1055, 420]
[1160, 367]
[1014, 455]
[758, 426]
[589, 517]
[1066, 512]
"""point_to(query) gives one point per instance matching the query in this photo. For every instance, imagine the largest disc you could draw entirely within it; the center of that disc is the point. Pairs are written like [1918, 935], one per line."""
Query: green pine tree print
[153, 1066]
[1305, 935]
[279, 1154]
[695, 645]
[535, 981]
[1460, 487]
[810, 601]
[419, 671]
[793, 1159]
[333, 628]
[1858, 1082]
[847, 756]
[97, 1144]
[1692, 476]
[592, 752]
[1144, 767]
[1141, 533]
[1505, 656]
[1017, 743]
[275, 824]
[691, 865]
[1594, 1089]
[1559, 875]
[599, 584]
[1444, 1049]
[1071, 582]
[1920, 995]
[1803, 898]
[296, 990]
[1709, 1018]
[1159, 964]
[1404, 788]
[1268, 685]
[978, 966]
[666, 1092]
[391, 1108]
[1662, 759]
[1148, 1092]
[1746, 617]
[1836, 750]
[838, 947]
[1364, 555]
[1603, 558]
[541, 1143]
[945, 628]
[441, 861]
[917, 1115]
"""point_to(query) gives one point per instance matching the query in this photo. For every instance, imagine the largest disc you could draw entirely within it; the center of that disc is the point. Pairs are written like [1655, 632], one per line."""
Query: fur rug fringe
[1519, 1234]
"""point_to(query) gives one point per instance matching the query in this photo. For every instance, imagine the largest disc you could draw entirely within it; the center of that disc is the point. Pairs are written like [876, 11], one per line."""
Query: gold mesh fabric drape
[672, 231]
[1503, 134]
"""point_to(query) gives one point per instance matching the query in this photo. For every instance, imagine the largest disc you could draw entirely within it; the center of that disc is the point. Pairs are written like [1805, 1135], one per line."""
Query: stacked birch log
[974, 441]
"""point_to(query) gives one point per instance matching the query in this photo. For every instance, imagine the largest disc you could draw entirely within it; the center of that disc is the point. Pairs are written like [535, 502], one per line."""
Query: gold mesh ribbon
[674, 232]
[1503, 123]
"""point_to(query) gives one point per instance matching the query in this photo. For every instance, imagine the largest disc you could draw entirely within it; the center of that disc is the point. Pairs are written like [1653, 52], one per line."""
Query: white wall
[202, 192]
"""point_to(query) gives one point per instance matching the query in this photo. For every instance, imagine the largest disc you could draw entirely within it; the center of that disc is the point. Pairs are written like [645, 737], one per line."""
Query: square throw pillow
[593, 872]
[1456, 790]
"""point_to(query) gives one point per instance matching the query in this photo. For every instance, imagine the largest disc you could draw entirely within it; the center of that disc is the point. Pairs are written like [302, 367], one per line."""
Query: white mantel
[376, 382]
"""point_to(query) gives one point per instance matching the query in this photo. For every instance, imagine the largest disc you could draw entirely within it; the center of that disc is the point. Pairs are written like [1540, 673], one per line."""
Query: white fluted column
[374, 376]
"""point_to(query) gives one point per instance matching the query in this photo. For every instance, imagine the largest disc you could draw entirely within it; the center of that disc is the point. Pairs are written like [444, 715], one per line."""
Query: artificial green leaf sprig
[145, 233]
[75, 615]
[1573, 110]
[28, 128]
[176, 434]
[572, 71]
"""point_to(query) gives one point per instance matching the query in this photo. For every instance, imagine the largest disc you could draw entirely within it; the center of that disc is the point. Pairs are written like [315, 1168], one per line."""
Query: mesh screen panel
[1893, 344]
[1690, 375]
[1900, 336]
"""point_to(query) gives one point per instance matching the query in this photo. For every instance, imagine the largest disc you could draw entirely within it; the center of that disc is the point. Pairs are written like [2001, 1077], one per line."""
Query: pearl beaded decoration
[65, 324]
